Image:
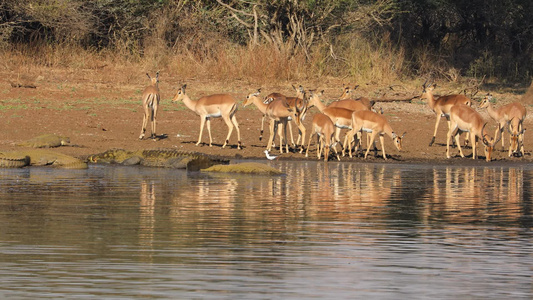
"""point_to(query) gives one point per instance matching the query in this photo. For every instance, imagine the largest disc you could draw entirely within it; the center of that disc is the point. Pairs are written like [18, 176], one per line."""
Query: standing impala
[277, 112]
[150, 99]
[296, 103]
[324, 129]
[376, 124]
[348, 94]
[213, 106]
[341, 117]
[442, 105]
[463, 118]
[510, 116]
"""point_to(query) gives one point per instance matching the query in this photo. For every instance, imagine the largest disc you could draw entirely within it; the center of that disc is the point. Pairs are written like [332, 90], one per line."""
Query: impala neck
[431, 99]
[492, 112]
[318, 103]
[388, 131]
[189, 103]
[260, 104]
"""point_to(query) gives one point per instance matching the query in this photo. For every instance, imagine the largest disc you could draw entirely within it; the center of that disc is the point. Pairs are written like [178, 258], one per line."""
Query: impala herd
[358, 116]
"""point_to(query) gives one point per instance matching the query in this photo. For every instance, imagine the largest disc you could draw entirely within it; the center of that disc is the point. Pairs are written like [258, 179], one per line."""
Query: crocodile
[46, 141]
[163, 158]
[13, 160]
[39, 157]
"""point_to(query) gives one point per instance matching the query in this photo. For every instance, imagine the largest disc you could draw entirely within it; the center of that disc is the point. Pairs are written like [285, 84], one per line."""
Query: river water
[322, 231]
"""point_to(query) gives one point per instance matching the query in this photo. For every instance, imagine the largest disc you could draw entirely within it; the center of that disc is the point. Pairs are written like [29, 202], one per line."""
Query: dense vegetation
[379, 40]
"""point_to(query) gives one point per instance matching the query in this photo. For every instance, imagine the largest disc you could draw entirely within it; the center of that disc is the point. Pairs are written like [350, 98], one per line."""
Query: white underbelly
[343, 126]
[214, 115]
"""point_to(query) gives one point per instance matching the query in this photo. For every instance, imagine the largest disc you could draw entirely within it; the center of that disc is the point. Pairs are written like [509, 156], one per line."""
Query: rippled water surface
[336, 231]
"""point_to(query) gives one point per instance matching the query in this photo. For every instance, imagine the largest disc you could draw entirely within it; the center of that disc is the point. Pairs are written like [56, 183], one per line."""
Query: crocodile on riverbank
[39, 157]
[165, 158]
[46, 141]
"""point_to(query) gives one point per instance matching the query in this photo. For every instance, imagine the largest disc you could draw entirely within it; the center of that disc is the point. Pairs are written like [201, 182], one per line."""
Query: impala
[324, 129]
[511, 116]
[299, 105]
[341, 117]
[442, 105]
[348, 94]
[376, 124]
[277, 112]
[150, 98]
[463, 118]
[213, 106]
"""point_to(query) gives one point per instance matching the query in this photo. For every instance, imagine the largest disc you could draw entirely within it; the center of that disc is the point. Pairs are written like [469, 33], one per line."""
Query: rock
[245, 168]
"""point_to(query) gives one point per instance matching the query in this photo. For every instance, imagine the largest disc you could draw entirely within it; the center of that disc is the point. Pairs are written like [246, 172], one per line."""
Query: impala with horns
[442, 105]
[375, 124]
[348, 94]
[150, 98]
[213, 106]
[341, 117]
[277, 112]
[463, 118]
[510, 116]
[324, 129]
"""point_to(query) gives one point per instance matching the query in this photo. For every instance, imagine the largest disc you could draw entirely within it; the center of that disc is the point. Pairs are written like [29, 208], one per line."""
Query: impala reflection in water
[322, 230]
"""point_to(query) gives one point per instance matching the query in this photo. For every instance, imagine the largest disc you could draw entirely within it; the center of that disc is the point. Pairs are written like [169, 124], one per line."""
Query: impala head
[489, 142]
[314, 98]
[515, 130]
[486, 101]
[250, 97]
[398, 140]
[348, 92]
[300, 92]
[180, 94]
[154, 80]
[427, 89]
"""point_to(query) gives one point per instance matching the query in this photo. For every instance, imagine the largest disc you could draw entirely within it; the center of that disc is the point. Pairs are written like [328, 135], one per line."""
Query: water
[335, 231]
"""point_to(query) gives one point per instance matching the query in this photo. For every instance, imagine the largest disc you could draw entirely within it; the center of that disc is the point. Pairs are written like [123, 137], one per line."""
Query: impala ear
[183, 87]
[148, 76]
[394, 135]
[404, 134]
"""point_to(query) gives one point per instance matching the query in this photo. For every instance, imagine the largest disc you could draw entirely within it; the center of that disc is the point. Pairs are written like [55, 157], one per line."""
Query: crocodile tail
[15, 162]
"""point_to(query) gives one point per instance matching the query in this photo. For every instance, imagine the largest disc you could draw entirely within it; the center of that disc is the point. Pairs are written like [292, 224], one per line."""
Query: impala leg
[202, 124]
[154, 116]
[281, 127]
[308, 145]
[290, 131]
[262, 124]
[236, 124]
[372, 137]
[448, 138]
[230, 129]
[208, 121]
[145, 120]
[458, 144]
[285, 136]
[382, 141]
[302, 130]
[272, 127]
[318, 146]
[474, 145]
[435, 131]
[521, 141]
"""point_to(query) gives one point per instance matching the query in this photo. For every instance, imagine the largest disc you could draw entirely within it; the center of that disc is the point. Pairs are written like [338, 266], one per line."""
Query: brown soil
[98, 115]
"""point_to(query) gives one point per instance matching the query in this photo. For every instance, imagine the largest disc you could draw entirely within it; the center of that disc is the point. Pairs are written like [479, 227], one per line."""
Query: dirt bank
[100, 115]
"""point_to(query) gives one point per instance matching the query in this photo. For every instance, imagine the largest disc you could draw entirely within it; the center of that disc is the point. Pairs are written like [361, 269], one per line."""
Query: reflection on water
[335, 230]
